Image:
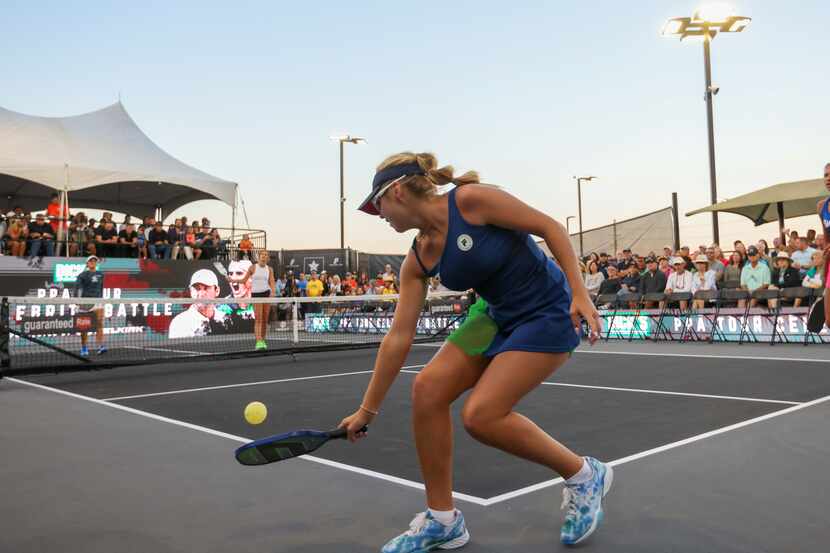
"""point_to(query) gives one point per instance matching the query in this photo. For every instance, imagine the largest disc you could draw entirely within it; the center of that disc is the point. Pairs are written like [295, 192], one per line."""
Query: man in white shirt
[196, 320]
[679, 281]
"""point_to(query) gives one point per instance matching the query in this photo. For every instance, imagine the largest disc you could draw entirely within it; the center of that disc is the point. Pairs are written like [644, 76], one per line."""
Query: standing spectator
[157, 243]
[732, 272]
[594, 279]
[714, 263]
[245, 247]
[811, 237]
[106, 239]
[128, 241]
[803, 256]
[314, 286]
[336, 286]
[741, 249]
[719, 255]
[754, 275]
[653, 281]
[704, 279]
[623, 260]
[668, 252]
[209, 245]
[389, 274]
[679, 281]
[57, 220]
[302, 285]
[40, 234]
[784, 276]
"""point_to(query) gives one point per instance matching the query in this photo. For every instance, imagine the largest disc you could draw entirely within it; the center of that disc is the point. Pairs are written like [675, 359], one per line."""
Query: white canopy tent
[100, 160]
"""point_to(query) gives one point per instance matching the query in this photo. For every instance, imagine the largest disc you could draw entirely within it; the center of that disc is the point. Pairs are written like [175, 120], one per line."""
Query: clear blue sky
[526, 93]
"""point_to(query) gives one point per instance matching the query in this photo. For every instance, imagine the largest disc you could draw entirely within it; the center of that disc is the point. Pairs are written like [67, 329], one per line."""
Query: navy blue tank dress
[528, 295]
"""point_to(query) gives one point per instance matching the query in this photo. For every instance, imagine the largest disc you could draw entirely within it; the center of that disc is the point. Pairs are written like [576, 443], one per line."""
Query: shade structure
[773, 203]
[102, 159]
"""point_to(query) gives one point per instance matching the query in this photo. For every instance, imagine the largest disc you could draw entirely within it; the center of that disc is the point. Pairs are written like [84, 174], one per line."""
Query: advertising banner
[729, 325]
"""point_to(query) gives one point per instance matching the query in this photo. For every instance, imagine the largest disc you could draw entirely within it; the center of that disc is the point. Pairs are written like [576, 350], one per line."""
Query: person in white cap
[196, 320]
[680, 280]
[784, 275]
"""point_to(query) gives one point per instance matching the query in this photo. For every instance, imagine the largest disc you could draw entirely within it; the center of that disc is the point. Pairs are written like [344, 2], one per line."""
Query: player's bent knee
[476, 419]
[427, 392]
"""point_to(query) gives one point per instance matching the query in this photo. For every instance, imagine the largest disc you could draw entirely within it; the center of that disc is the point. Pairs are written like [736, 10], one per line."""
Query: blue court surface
[716, 448]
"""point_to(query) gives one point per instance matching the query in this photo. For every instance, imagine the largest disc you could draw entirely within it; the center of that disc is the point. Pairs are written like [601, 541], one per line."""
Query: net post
[5, 357]
[295, 309]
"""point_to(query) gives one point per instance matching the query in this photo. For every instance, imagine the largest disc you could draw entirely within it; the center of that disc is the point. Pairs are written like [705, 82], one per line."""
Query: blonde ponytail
[427, 184]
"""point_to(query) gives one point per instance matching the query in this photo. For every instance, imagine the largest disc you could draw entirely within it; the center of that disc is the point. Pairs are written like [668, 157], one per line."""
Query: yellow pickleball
[255, 412]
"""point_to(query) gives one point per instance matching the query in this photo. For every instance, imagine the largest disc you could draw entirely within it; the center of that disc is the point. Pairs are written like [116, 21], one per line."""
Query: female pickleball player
[263, 285]
[478, 236]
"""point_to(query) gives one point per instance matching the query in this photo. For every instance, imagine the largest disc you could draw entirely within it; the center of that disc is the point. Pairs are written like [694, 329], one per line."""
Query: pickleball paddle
[285, 446]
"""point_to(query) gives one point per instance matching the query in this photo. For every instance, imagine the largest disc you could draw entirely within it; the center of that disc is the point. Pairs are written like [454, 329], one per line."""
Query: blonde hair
[427, 185]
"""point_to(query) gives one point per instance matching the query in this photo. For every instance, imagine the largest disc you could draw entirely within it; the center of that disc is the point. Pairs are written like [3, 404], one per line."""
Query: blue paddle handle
[342, 433]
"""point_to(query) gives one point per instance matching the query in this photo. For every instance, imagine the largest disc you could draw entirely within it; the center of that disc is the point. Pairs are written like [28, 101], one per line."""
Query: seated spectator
[157, 243]
[208, 244]
[811, 237]
[40, 236]
[335, 286]
[815, 276]
[612, 284]
[246, 247]
[754, 275]
[686, 256]
[715, 263]
[784, 276]
[631, 278]
[803, 256]
[664, 267]
[668, 252]
[679, 281]
[128, 241]
[389, 274]
[704, 279]
[763, 253]
[106, 239]
[593, 279]
[653, 281]
[142, 242]
[57, 220]
[175, 237]
[732, 272]
[603, 264]
[15, 237]
[191, 240]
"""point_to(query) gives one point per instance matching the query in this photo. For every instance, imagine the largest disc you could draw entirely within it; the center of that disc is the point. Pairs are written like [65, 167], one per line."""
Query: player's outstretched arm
[393, 349]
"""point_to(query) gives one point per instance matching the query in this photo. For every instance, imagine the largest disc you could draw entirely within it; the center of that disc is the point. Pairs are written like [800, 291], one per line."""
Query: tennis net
[40, 335]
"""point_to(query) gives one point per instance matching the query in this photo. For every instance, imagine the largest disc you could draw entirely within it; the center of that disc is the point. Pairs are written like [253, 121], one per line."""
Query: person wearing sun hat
[704, 279]
[784, 275]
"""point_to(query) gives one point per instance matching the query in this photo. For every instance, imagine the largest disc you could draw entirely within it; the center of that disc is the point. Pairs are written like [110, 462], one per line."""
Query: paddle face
[815, 321]
[285, 446]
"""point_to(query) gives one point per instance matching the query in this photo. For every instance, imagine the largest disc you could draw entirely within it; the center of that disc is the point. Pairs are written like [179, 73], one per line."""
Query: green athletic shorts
[476, 333]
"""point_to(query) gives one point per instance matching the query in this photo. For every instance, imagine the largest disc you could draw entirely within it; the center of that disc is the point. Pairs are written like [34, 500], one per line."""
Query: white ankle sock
[444, 517]
[584, 474]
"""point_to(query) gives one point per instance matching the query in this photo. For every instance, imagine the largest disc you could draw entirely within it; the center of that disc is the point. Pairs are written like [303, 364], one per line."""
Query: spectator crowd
[25, 235]
[797, 263]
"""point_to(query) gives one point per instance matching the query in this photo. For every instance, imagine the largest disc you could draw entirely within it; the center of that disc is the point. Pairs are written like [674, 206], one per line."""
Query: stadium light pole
[342, 140]
[704, 25]
[579, 196]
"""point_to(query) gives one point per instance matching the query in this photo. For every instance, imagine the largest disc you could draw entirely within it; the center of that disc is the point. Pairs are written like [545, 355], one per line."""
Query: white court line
[660, 449]
[725, 357]
[696, 355]
[165, 349]
[243, 440]
[663, 392]
[242, 384]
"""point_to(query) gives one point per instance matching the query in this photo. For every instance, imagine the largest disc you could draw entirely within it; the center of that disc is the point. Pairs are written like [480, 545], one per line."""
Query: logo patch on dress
[464, 242]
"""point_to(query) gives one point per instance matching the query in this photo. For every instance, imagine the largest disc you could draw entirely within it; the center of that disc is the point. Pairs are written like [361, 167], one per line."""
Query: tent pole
[63, 207]
[780, 206]
[233, 215]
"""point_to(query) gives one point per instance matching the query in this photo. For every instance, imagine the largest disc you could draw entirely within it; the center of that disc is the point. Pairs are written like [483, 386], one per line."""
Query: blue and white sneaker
[102, 350]
[426, 534]
[584, 503]
[84, 352]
